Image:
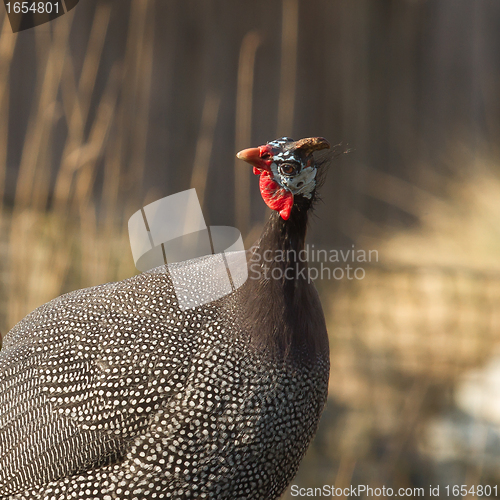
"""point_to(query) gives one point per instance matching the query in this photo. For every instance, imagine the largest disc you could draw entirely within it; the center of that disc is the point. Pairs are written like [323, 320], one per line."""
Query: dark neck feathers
[282, 309]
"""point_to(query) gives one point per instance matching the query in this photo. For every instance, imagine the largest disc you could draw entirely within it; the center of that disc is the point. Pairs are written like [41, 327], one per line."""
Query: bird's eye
[287, 169]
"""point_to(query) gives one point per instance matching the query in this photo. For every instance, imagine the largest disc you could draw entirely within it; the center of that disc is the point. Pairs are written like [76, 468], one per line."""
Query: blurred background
[122, 102]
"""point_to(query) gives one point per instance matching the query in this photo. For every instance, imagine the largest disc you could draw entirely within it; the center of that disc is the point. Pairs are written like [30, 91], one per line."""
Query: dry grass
[244, 101]
[75, 239]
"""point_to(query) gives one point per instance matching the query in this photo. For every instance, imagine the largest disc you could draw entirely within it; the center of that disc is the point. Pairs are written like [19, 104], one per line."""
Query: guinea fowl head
[287, 170]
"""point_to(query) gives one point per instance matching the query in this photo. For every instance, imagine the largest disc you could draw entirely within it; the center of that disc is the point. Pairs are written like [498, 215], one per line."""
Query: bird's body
[114, 392]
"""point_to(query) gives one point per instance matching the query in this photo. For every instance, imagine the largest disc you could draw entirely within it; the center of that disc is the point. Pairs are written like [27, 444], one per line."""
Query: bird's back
[115, 392]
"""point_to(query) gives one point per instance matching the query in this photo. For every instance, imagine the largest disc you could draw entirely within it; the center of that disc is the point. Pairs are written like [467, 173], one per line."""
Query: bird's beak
[252, 156]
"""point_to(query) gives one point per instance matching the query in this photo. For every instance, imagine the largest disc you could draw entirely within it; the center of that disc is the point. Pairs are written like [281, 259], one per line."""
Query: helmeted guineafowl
[115, 392]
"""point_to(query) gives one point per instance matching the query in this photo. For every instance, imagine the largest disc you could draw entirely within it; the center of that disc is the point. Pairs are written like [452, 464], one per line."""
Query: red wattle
[276, 197]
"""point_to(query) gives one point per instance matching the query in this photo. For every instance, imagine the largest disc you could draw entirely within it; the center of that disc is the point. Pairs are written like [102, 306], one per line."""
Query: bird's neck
[283, 237]
[283, 312]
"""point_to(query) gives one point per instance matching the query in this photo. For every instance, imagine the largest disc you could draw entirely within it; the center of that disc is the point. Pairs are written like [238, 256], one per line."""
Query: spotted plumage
[114, 392]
